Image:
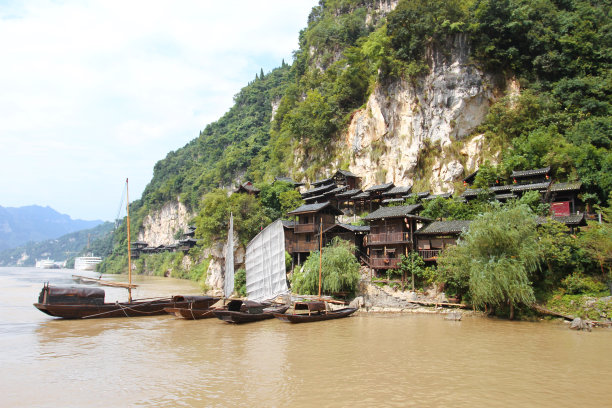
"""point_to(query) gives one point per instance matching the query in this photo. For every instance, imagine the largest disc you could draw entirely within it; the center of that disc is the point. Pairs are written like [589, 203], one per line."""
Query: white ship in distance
[86, 263]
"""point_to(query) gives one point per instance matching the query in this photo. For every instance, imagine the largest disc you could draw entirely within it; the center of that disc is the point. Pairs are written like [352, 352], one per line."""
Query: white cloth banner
[265, 264]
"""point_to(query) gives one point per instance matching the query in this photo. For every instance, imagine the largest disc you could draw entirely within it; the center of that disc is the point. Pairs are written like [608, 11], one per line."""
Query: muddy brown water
[362, 361]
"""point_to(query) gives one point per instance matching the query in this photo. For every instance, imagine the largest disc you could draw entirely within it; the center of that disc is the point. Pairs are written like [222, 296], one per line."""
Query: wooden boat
[190, 313]
[84, 303]
[87, 303]
[239, 311]
[314, 312]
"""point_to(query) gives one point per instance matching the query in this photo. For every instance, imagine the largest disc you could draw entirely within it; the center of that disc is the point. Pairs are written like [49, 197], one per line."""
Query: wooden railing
[301, 228]
[384, 263]
[388, 238]
[304, 228]
[429, 254]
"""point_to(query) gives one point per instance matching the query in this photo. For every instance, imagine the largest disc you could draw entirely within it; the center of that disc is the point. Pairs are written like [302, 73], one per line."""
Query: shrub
[340, 272]
[576, 284]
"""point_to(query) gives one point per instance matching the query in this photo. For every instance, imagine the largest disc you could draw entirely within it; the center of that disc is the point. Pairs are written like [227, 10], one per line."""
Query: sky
[94, 92]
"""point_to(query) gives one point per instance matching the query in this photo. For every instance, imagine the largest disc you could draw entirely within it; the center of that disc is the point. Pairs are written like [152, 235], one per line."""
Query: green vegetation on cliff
[557, 52]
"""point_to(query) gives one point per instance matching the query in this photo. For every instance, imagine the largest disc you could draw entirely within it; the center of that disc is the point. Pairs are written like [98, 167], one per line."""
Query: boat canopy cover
[310, 306]
[265, 264]
[76, 291]
[228, 283]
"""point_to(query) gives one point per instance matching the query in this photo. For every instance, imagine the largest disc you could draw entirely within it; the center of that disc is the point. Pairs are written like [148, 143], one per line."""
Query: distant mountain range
[35, 223]
[97, 241]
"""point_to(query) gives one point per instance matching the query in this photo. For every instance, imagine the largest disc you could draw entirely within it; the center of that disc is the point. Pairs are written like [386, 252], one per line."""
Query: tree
[413, 264]
[269, 196]
[499, 253]
[289, 200]
[213, 220]
[340, 270]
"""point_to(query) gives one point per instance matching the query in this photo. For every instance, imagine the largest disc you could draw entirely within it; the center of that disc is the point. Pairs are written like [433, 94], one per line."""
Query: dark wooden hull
[245, 317]
[191, 314]
[118, 309]
[305, 318]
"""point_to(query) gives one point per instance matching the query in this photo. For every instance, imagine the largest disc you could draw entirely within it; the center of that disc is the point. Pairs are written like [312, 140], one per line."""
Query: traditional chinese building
[247, 188]
[437, 236]
[392, 234]
[311, 218]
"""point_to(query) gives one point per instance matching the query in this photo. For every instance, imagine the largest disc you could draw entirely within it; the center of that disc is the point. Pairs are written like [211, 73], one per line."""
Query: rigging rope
[121, 207]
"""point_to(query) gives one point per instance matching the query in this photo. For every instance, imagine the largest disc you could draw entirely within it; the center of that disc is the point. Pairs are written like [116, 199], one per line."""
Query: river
[362, 361]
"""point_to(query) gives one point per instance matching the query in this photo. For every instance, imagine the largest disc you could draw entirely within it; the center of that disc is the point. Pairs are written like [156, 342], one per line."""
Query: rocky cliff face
[160, 227]
[402, 120]
[216, 268]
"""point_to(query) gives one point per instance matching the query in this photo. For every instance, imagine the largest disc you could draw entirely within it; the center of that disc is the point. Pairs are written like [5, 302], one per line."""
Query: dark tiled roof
[337, 190]
[393, 200]
[312, 208]
[398, 190]
[471, 192]
[318, 190]
[443, 195]
[315, 199]
[349, 227]
[471, 177]
[380, 187]
[501, 188]
[288, 180]
[422, 194]
[445, 227]
[349, 193]
[288, 223]
[570, 186]
[574, 219]
[364, 195]
[248, 186]
[528, 173]
[346, 173]
[393, 212]
[530, 187]
[322, 182]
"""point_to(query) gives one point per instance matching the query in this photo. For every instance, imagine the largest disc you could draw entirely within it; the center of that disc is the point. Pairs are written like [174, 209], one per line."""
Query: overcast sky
[93, 92]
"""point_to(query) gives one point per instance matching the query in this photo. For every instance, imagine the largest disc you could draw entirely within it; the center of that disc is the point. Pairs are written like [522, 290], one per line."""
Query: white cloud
[93, 92]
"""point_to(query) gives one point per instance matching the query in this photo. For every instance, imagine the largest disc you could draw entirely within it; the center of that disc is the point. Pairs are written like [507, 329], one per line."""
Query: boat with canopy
[314, 311]
[83, 302]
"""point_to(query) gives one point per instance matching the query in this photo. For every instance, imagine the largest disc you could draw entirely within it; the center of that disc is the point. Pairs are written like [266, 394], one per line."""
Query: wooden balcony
[429, 254]
[384, 263]
[305, 228]
[305, 246]
[388, 238]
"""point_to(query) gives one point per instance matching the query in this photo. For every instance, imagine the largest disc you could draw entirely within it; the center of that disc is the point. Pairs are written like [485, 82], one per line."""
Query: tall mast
[320, 254]
[129, 246]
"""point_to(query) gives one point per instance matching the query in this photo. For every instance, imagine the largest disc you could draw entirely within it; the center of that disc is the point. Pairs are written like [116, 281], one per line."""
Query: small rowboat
[239, 311]
[316, 312]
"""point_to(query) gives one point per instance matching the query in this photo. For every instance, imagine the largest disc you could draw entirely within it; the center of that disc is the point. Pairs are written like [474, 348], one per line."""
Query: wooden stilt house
[392, 234]
[306, 229]
[435, 237]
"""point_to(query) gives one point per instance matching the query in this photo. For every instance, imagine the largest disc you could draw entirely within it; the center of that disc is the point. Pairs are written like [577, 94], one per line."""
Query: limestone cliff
[404, 119]
[166, 225]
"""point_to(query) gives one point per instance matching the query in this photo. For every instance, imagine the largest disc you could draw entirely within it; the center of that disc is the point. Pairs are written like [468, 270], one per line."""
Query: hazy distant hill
[35, 223]
[66, 247]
